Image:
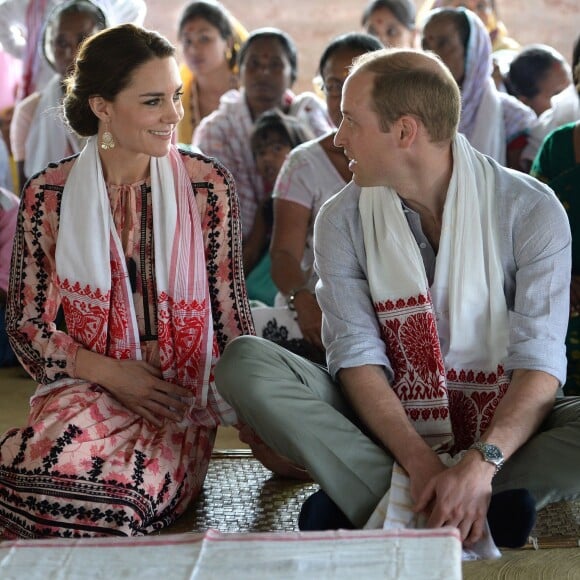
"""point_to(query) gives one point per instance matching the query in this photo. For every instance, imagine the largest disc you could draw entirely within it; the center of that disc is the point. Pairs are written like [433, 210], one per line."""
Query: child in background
[274, 136]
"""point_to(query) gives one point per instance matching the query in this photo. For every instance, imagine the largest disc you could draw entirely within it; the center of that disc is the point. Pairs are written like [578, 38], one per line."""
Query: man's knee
[236, 364]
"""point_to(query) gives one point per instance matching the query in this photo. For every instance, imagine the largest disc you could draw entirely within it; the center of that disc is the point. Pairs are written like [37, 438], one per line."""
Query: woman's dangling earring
[107, 141]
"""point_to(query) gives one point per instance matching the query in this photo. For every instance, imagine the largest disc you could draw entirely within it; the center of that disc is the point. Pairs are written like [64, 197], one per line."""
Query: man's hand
[459, 496]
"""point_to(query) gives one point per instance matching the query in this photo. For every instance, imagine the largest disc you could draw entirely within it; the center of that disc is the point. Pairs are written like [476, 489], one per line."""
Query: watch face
[493, 453]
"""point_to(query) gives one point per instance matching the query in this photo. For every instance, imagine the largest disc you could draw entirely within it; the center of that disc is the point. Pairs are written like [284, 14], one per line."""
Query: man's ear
[407, 129]
[100, 107]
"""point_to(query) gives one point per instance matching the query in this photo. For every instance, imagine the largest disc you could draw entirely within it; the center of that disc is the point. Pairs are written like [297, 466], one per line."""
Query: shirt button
[422, 245]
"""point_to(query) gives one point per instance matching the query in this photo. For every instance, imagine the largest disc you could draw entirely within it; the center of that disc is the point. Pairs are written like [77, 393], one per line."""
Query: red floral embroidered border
[428, 391]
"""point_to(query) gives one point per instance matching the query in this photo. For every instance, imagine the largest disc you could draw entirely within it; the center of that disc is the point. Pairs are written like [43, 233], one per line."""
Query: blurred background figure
[536, 74]
[268, 62]
[8, 217]
[495, 123]
[564, 108]
[210, 38]
[38, 134]
[272, 139]
[313, 173]
[487, 12]
[558, 164]
[391, 21]
[21, 29]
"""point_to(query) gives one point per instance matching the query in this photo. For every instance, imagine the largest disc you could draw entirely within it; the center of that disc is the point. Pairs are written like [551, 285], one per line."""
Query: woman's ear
[100, 107]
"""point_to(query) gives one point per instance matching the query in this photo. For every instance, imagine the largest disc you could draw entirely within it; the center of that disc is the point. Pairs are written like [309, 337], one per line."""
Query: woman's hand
[138, 385]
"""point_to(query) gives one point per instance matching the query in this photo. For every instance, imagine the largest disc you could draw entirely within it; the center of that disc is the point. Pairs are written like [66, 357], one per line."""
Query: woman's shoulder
[203, 169]
[54, 175]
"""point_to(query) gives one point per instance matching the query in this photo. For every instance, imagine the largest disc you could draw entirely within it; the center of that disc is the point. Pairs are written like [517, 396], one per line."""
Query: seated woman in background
[313, 173]
[210, 38]
[536, 74]
[558, 165]
[495, 123]
[139, 244]
[487, 12]
[38, 134]
[273, 137]
[564, 108]
[268, 68]
[391, 21]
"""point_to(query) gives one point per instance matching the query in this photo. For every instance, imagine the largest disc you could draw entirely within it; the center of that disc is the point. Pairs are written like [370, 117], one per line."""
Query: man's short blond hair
[413, 82]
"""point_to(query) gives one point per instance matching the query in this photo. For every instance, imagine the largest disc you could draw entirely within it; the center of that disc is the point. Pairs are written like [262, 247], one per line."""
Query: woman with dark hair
[391, 21]
[210, 37]
[536, 74]
[138, 243]
[38, 134]
[312, 174]
[564, 108]
[495, 123]
[487, 12]
[268, 69]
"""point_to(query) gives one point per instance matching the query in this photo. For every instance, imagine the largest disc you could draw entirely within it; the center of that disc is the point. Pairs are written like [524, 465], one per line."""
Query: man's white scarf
[446, 343]
[49, 138]
[96, 291]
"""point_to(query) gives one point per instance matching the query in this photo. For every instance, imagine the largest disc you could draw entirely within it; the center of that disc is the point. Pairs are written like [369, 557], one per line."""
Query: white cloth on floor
[395, 511]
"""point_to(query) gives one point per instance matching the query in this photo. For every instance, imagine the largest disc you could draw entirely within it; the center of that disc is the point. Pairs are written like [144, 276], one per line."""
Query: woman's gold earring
[107, 139]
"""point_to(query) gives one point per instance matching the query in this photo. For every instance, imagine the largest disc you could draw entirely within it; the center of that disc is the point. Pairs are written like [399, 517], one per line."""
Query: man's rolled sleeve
[538, 318]
[350, 330]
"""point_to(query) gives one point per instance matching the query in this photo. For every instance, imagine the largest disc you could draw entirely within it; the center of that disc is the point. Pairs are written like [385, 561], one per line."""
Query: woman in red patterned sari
[139, 244]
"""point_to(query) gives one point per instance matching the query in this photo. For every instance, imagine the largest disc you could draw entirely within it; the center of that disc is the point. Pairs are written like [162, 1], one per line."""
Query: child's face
[270, 153]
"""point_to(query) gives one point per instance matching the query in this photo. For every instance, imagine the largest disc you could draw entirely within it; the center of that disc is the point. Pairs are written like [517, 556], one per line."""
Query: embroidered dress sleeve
[217, 201]
[350, 331]
[47, 353]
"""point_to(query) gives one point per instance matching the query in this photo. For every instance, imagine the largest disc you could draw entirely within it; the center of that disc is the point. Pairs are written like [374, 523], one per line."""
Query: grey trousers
[300, 412]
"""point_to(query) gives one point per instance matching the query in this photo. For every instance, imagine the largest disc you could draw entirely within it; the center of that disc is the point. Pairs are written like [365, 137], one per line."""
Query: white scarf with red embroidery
[446, 343]
[96, 291]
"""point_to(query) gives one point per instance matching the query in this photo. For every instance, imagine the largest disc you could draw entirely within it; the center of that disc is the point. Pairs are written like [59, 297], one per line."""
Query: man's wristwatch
[291, 299]
[491, 453]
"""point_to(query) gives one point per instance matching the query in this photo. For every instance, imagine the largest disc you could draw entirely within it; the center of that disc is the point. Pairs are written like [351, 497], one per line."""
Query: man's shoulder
[512, 184]
[342, 205]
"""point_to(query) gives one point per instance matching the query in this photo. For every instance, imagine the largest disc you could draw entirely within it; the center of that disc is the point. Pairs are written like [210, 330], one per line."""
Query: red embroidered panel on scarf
[473, 399]
[182, 325]
[427, 391]
[85, 311]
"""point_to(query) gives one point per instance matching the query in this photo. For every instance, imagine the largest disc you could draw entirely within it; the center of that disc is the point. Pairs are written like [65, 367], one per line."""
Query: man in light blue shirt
[348, 425]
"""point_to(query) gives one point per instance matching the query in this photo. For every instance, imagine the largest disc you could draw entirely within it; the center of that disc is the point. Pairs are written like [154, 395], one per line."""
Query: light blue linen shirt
[535, 250]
